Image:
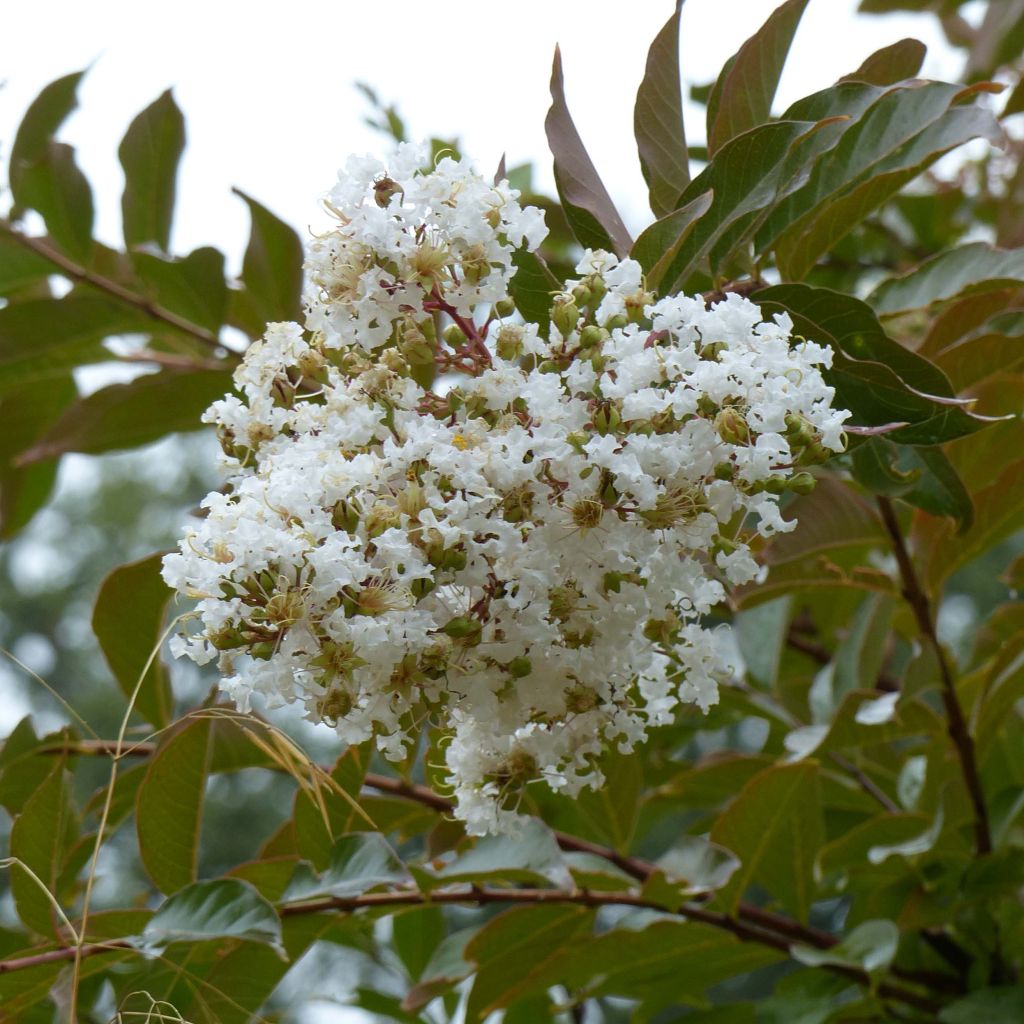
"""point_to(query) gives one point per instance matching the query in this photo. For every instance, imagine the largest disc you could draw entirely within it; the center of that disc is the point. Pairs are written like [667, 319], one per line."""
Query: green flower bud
[802, 483]
[505, 307]
[462, 628]
[454, 336]
[593, 336]
[616, 323]
[725, 471]
[564, 314]
[520, 667]
[775, 484]
[732, 426]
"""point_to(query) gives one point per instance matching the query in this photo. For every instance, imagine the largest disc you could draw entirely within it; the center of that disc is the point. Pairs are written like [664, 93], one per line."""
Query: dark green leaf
[1004, 1003]
[42, 119]
[744, 178]
[923, 477]
[878, 380]
[999, 512]
[416, 934]
[611, 810]
[40, 838]
[657, 245]
[891, 64]
[193, 287]
[271, 271]
[532, 287]
[658, 121]
[128, 620]
[742, 96]
[871, 946]
[446, 968]
[591, 212]
[128, 415]
[531, 856]
[359, 862]
[169, 808]
[514, 945]
[55, 187]
[225, 908]
[966, 270]
[761, 635]
[149, 154]
[20, 266]
[775, 827]
[43, 338]
[26, 413]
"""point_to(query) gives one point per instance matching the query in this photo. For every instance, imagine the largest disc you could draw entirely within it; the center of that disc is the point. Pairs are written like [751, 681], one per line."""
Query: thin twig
[915, 596]
[76, 272]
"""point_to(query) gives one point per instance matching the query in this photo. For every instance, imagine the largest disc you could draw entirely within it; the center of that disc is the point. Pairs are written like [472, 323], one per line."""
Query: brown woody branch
[917, 598]
[76, 272]
[488, 896]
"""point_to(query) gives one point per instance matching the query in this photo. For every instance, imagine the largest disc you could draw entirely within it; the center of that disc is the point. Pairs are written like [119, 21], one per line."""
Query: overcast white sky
[267, 92]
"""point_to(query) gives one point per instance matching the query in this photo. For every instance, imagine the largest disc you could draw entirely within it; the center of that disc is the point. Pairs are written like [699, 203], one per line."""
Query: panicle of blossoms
[439, 513]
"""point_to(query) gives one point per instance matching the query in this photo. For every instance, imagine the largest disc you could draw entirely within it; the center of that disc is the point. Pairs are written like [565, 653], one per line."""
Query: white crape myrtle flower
[515, 532]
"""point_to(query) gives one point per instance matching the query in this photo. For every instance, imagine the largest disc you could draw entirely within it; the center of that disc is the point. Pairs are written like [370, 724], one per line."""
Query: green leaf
[891, 64]
[744, 179]
[41, 836]
[1003, 1003]
[595, 221]
[193, 288]
[514, 945]
[240, 982]
[128, 620]
[692, 865]
[531, 856]
[742, 97]
[864, 719]
[271, 271]
[882, 130]
[359, 862]
[611, 811]
[658, 121]
[137, 413]
[643, 962]
[775, 827]
[40, 123]
[532, 287]
[761, 635]
[43, 338]
[26, 413]
[416, 934]
[225, 908]
[871, 946]
[56, 187]
[999, 512]
[657, 245]
[923, 477]
[20, 266]
[850, 851]
[956, 273]
[862, 653]
[875, 157]
[169, 809]
[446, 968]
[149, 154]
[878, 380]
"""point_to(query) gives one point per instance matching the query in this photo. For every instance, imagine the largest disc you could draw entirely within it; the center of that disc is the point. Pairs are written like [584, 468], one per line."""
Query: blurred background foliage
[885, 854]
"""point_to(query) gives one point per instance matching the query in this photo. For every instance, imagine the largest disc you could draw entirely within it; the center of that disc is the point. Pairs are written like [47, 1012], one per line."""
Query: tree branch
[478, 896]
[76, 272]
[915, 596]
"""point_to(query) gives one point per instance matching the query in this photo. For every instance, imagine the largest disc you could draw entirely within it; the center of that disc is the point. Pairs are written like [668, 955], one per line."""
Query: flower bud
[801, 483]
[520, 667]
[732, 427]
[454, 336]
[505, 307]
[725, 471]
[564, 314]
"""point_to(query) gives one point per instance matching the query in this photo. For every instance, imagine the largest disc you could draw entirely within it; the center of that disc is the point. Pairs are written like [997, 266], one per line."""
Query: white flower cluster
[439, 513]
